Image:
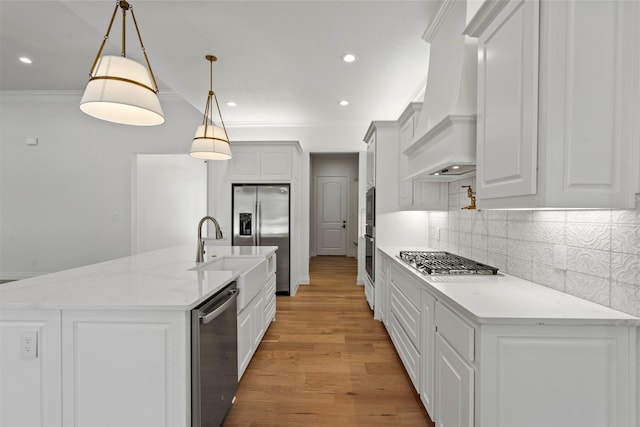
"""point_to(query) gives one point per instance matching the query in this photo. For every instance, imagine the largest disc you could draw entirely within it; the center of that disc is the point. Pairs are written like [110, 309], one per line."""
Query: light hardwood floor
[326, 362]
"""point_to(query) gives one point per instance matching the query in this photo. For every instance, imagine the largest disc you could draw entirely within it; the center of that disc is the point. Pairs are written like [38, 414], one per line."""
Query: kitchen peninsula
[110, 343]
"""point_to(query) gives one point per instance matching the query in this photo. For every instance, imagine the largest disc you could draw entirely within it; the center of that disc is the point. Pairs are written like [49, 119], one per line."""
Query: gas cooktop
[428, 262]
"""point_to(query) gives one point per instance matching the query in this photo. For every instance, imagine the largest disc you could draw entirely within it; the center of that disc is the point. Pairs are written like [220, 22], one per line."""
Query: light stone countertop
[505, 299]
[158, 280]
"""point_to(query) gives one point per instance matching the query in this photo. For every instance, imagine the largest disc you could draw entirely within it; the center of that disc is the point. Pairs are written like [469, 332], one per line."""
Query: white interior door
[331, 215]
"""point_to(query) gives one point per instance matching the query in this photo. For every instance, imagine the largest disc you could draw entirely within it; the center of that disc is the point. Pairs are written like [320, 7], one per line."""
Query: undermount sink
[249, 283]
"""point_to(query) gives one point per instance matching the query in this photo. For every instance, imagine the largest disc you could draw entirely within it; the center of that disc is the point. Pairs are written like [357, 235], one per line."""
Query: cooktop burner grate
[444, 263]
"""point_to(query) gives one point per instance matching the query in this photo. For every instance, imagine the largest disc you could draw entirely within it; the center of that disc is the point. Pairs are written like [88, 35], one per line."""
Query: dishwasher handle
[207, 317]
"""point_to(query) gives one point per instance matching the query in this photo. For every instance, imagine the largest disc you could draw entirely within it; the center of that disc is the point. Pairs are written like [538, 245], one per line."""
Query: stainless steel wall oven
[370, 235]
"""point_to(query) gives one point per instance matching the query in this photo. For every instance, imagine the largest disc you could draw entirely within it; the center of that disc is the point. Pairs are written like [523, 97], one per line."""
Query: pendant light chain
[104, 40]
[125, 6]
[144, 51]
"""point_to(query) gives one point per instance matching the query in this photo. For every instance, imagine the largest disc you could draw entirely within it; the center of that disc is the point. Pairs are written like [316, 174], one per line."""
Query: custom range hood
[444, 144]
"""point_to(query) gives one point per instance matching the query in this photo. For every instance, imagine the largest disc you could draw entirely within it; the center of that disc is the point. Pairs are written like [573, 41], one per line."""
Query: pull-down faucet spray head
[200, 253]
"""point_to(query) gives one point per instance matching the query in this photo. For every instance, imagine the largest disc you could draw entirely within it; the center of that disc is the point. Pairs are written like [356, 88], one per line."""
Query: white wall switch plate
[29, 344]
[31, 141]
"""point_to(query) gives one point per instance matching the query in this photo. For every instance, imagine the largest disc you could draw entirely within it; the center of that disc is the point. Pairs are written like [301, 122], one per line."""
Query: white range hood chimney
[444, 146]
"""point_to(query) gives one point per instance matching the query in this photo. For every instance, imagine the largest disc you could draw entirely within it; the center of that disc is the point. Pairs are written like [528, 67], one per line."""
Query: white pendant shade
[121, 91]
[212, 146]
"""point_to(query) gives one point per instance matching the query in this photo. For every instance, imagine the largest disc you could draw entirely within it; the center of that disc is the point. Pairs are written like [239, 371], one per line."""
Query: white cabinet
[369, 292]
[454, 374]
[255, 318]
[137, 361]
[382, 139]
[508, 374]
[262, 162]
[404, 310]
[30, 387]
[416, 194]
[382, 288]
[558, 97]
[427, 379]
[453, 388]
[371, 160]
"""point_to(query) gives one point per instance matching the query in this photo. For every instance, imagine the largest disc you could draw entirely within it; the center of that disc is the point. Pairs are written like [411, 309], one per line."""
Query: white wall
[602, 246]
[66, 202]
[336, 165]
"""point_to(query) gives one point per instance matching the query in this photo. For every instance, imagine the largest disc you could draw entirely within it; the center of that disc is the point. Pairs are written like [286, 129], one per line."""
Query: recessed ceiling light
[348, 57]
[455, 167]
[344, 102]
[25, 60]
[437, 173]
[231, 104]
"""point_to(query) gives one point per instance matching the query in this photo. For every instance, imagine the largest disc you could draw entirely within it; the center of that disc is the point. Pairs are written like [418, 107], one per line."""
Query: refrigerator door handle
[258, 221]
[256, 225]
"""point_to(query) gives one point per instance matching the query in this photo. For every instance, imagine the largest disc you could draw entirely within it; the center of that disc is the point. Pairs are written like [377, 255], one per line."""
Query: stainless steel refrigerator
[261, 218]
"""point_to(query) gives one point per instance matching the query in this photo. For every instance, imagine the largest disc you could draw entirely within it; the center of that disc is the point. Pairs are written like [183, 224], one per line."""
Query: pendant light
[211, 142]
[121, 90]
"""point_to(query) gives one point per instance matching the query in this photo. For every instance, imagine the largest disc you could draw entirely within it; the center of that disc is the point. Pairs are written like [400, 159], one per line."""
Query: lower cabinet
[369, 292]
[453, 387]
[253, 322]
[121, 368]
[510, 374]
[382, 289]
[404, 311]
[30, 387]
[427, 378]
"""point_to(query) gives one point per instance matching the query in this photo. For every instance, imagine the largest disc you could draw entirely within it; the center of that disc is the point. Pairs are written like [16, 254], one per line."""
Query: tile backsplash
[600, 249]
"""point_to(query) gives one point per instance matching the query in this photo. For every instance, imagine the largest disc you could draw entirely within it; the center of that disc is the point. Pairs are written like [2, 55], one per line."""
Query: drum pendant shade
[120, 91]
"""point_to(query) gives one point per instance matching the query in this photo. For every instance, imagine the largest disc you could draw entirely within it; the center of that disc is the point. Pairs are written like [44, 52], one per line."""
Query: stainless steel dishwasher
[214, 358]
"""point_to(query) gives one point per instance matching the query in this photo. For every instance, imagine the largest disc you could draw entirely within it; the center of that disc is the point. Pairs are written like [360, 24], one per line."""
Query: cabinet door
[257, 307]
[245, 163]
[587, 81]
[454, 390]
[125, 368]
[245, 340]
[276, 163]
[427, 384]
[30, 388]
[508, 103]
[371, 162]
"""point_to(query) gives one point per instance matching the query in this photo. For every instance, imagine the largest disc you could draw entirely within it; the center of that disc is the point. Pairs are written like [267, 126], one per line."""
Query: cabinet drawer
[269, 312]
[456, 331]
[407, 313]
[406, 283]
[407, 351]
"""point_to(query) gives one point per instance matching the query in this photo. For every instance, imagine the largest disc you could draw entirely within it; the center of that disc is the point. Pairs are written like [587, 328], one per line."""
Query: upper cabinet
[268, 162]
[558, 102]
[370, 139]
[382, 140]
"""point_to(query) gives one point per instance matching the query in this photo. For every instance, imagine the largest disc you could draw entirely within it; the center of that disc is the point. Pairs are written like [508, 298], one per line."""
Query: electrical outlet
[29, 344]
[560, 257]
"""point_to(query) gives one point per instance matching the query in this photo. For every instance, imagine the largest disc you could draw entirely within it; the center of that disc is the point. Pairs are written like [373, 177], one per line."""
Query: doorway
[333, 204]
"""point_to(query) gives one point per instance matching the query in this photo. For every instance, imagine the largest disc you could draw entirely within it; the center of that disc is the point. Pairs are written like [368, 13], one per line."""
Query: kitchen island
[109, 344]
[496, 350]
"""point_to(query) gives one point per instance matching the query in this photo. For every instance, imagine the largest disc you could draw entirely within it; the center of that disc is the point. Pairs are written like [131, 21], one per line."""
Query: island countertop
[505, 299]
[160, 280]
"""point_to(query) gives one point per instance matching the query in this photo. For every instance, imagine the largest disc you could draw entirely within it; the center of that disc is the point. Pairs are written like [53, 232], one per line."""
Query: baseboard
[359, 280]
[304, 280]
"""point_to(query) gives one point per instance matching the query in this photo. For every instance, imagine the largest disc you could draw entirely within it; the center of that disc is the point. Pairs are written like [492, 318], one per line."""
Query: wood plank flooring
[326, 362]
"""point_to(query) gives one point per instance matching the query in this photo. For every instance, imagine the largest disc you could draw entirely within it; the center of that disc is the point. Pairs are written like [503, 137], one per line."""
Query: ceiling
[280, 61]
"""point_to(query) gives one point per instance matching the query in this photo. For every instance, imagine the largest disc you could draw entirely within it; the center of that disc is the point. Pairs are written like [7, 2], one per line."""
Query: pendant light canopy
[211, 141]
[121, 90]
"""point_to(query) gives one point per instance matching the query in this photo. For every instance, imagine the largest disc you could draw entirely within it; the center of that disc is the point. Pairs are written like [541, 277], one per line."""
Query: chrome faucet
[200, 254]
